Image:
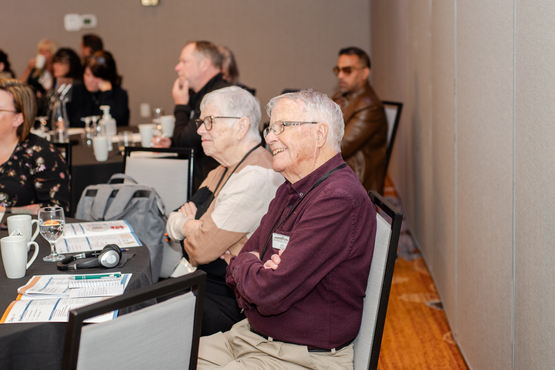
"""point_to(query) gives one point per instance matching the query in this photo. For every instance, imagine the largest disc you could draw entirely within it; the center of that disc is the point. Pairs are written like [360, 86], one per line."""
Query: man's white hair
[318, 108]
[234, 101]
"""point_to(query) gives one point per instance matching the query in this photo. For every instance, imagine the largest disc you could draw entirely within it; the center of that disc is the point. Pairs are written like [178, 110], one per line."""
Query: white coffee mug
[14, 255]
[146, 131]
[100, 147]
[167, 125]
[40, 61]
[25, 224]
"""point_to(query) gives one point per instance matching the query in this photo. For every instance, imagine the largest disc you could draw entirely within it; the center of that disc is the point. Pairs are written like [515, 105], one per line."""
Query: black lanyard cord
[326, 175]
[238, 164]
[213, 195]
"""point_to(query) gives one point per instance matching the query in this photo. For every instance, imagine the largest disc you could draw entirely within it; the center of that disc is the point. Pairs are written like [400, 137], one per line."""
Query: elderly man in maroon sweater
[302, 275]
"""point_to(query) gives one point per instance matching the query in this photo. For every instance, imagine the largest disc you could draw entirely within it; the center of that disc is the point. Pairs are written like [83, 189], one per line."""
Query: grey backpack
[137, 204]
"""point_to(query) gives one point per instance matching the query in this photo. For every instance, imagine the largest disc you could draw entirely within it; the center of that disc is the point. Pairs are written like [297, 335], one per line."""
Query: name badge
[279, 241]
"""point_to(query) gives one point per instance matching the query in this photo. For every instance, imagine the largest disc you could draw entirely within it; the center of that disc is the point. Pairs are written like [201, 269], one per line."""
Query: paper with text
[91, 236]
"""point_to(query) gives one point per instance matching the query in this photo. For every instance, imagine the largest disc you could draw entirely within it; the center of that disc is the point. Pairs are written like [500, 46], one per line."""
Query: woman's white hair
[318, 108]
[234, 101]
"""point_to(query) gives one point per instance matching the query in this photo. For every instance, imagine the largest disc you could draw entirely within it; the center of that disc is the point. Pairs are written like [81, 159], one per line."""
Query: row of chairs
[171, 329]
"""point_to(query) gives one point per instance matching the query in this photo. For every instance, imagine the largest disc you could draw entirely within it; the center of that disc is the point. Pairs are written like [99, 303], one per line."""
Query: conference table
[40, 345]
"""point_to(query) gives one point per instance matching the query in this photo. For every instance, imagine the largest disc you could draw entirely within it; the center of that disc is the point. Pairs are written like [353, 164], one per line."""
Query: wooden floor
[416, 334]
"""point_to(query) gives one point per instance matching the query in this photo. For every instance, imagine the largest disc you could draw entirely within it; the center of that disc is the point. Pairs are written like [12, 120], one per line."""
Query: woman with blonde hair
[38, 73]
[33, 173]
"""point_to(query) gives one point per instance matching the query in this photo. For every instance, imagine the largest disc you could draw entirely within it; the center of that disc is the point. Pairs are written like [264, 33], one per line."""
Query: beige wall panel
[420, 113]
[278, 44]
[534, 179]
[401, 71]
[484, 119]
[390, 29]
[443, 159]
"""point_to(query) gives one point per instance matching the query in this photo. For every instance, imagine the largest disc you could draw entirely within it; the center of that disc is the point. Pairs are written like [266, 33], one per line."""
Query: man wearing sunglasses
[364, 144]
[199, 72]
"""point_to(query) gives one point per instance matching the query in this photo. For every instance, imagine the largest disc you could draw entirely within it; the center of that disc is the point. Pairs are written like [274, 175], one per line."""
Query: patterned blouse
[36, 173]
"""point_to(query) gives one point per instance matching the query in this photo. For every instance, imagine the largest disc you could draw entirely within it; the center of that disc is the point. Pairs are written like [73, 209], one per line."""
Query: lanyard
[238, 164]
[326, 175]
[204, 206]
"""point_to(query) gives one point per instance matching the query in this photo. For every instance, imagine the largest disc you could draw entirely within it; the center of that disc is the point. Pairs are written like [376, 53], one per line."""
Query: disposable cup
[146, 130]
[100, 147]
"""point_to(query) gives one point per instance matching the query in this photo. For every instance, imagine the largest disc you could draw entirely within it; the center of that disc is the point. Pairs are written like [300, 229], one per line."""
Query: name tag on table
[279, 241]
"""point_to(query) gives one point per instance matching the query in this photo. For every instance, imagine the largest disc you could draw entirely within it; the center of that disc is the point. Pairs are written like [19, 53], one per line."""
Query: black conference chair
[162, 336]
[393, 113]
[368, 342]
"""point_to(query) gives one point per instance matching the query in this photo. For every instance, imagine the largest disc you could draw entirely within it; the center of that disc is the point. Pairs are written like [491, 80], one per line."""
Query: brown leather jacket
[365, 141]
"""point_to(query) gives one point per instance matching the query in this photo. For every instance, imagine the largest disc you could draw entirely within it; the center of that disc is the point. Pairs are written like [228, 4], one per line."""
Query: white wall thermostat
[75, 22]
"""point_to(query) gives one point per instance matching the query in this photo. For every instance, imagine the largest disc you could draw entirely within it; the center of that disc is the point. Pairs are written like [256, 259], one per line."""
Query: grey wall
[475, 163]
[277, 44]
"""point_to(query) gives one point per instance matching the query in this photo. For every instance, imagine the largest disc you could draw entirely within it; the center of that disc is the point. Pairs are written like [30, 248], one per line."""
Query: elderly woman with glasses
[33, 173]
[231, 201]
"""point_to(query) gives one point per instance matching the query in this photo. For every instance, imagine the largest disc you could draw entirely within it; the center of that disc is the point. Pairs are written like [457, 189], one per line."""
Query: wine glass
[51, 223]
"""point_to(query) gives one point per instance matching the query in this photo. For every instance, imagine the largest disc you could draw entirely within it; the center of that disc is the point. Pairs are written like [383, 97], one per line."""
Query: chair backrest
[161, 336]
[369, 339]
[169, 171]
[393, 114]
[66, 151]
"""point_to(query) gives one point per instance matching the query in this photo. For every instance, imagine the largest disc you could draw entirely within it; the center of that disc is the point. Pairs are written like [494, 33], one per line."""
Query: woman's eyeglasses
[208, 121]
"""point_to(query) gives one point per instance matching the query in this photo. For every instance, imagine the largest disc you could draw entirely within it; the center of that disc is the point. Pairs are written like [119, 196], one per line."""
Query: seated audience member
[33, 173]
[365, 141]
[301, 277]
[228, 207]
[230, 71]
[38, 76]
[199, 72]
[5, 68]
[66, 67]
[101, 87]
[90, 44]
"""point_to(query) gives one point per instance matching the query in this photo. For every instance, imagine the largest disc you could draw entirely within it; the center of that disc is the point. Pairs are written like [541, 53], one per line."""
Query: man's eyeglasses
[6, 110]
[208, 121]
[345, 70]
[279, 126]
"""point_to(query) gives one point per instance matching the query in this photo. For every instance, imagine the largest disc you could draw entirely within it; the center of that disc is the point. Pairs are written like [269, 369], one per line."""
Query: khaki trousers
[242, 349]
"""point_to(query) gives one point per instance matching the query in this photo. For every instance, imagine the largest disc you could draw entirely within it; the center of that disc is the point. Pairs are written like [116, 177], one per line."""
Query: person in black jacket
[66, 67]
[199, 72]
[101, 87]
